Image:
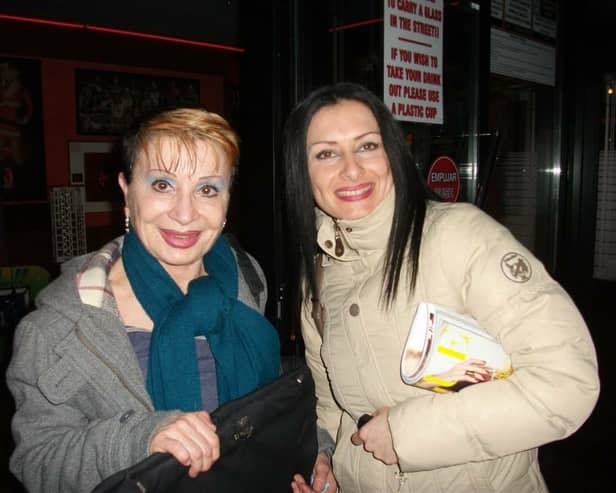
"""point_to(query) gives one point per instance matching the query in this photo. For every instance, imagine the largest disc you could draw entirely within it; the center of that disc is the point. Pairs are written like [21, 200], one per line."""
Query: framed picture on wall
[108, 102]
[22, 156]
[94, 166]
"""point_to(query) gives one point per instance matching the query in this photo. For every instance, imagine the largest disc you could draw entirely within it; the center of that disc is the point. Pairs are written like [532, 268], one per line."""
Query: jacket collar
[359, 236]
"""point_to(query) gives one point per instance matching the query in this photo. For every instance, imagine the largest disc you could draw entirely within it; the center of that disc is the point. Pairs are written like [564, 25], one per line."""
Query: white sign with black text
[413, 56]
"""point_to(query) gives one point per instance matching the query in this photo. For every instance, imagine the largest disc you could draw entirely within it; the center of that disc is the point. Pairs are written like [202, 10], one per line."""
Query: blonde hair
[183, 128]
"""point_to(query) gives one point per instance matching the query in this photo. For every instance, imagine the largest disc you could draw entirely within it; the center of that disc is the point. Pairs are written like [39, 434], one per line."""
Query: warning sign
[413, 59]
[444, 178]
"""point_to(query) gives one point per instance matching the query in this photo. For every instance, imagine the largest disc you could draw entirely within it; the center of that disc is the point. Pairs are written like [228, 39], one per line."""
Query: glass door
[523, 189]
[459, 137]
[524, 108]
[604, 260]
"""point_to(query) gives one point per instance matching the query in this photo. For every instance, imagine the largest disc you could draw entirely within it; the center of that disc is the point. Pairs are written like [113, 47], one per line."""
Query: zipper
[84, 340]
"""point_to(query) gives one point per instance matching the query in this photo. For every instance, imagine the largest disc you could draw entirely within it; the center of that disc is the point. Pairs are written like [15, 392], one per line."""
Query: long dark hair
[411, 192]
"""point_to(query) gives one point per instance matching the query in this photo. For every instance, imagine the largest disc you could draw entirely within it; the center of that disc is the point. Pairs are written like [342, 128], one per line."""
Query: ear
[123, 185]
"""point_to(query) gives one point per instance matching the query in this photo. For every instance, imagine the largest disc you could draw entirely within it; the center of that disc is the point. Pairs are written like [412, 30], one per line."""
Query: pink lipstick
[358, 192]
[180, 239]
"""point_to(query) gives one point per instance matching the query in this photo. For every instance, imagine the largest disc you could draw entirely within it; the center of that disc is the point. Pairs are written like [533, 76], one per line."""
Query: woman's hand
[376, 438]
[191, 438]
[322, 478]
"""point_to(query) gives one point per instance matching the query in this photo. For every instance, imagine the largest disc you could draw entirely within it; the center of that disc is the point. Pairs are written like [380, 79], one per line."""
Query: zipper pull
[401, 477]
[339, 247]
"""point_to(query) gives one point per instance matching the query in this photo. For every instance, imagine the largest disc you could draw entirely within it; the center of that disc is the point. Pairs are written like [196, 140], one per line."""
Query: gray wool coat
[82, 409]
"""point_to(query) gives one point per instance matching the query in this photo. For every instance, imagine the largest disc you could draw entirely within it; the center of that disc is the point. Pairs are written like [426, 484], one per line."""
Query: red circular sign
[444, 178]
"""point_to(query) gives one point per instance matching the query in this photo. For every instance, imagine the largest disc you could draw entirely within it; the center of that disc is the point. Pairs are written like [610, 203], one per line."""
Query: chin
[181, 256]
[354, 210]
[355, 214]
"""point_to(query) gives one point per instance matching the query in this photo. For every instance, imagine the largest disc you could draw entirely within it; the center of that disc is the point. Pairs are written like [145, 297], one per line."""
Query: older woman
[131, 346]
[382, 247]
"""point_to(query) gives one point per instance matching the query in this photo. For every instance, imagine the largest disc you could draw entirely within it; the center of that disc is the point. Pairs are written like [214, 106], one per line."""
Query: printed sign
[444, 178]
[413, 69]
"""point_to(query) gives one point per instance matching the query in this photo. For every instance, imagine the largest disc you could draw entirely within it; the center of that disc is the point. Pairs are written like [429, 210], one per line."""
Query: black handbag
[266, 437]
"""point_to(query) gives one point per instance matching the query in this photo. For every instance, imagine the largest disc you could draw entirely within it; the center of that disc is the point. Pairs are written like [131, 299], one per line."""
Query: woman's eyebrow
[333, 142]
[212, 177]
[328, 142]
[219, 181]
[375, 132]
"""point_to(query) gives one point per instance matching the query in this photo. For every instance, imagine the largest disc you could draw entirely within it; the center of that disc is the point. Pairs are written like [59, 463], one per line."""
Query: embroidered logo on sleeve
[516, 267]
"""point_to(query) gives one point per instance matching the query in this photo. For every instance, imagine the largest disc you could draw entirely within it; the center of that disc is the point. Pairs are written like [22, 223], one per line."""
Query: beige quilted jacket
[485, 437]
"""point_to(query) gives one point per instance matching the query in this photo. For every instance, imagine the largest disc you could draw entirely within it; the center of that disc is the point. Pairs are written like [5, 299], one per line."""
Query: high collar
[358, 236]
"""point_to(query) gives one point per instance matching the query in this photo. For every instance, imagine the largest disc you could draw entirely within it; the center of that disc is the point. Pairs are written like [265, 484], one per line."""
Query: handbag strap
[318, 312]
[250, 274]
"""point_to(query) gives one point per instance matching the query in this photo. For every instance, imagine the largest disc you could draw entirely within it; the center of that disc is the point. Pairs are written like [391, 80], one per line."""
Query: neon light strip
[164, 38]
[355, 24]
[41, 21]
[122, 32]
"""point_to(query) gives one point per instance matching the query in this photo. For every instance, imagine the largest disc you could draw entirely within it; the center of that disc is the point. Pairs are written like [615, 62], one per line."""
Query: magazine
[446, 351]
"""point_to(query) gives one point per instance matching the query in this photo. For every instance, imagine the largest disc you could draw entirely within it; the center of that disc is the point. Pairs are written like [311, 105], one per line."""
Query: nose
[351, 168]
[183, 210]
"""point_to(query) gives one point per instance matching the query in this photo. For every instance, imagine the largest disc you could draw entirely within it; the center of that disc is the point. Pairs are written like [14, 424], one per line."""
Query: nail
[363, 419]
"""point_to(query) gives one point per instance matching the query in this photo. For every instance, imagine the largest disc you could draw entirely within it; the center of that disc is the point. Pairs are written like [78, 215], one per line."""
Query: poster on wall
[413, 56]
[94, 167]
[22, 165]
[109, 102]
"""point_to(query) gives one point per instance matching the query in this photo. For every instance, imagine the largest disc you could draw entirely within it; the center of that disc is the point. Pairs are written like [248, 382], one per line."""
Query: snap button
[126, 415]
[328, 243]
[354, 310]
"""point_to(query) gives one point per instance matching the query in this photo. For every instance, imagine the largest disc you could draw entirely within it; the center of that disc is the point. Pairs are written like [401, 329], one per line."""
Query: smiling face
[348, 166]
[177, 202]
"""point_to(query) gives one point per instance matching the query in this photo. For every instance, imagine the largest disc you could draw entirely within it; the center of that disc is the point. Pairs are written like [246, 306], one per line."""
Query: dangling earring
[224, 223]
[126, 223]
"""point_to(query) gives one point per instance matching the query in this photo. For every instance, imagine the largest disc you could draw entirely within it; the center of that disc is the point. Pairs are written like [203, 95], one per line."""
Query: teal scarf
[245, 346]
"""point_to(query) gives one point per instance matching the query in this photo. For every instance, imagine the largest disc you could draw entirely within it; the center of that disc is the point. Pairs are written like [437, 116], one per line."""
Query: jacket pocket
[61, 381]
